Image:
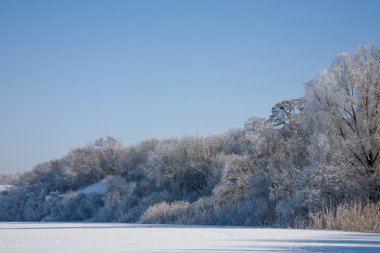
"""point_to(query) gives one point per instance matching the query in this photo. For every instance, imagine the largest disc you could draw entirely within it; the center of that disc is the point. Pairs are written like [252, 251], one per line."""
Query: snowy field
[93, 238]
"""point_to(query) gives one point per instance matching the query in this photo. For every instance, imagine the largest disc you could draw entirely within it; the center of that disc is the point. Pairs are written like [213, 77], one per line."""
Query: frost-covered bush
[361, 217]
[82, 207]
[118, 199]
[207, 211]
[134, 214]
[166, 213]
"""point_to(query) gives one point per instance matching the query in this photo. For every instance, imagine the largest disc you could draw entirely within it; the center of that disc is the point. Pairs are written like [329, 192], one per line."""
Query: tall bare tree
[344, 110]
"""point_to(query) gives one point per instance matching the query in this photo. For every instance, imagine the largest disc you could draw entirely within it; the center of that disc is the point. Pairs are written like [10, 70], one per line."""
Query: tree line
[312, 154]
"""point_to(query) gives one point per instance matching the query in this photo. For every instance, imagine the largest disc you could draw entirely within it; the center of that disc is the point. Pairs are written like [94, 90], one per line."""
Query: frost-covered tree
[109, 152]
[186, 165]
[287, 111]
[7, 179]
[256, 124]
[343, 107]
[235, 181]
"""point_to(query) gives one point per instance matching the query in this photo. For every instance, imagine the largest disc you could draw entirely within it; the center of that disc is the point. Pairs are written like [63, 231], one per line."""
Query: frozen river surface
[124, 238]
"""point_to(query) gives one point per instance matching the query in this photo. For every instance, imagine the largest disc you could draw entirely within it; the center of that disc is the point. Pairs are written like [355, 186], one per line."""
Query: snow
[101, 237]
[99, 187]
[4, 187]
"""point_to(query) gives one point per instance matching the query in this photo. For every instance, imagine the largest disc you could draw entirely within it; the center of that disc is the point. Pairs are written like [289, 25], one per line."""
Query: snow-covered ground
[4, 187]
[93, 238]
[99, 188]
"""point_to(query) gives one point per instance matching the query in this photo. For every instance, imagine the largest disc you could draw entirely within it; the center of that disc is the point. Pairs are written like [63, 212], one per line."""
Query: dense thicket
[312, 154]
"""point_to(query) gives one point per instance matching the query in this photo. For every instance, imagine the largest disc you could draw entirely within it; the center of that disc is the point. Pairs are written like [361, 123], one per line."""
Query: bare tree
[344, 111]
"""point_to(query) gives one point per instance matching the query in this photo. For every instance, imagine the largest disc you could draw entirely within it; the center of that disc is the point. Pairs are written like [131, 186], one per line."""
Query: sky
[75, 71]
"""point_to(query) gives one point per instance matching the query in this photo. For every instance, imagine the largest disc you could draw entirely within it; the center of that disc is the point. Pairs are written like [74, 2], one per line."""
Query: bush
[360, 217]
[135, 213]
[166, 213]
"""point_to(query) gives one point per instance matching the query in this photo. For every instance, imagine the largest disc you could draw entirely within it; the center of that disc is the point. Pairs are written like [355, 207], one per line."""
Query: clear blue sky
[74, 71]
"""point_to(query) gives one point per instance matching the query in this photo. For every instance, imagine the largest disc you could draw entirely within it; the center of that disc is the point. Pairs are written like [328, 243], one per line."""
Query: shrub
[361, 217]
[135, 213]
[166, 213]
